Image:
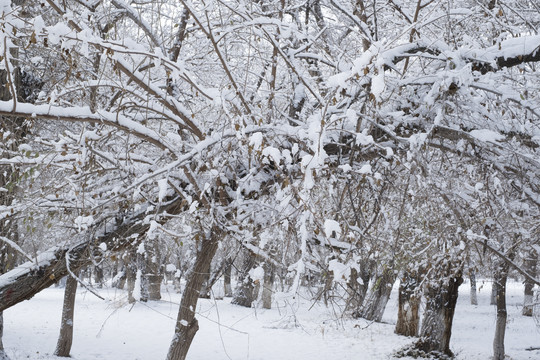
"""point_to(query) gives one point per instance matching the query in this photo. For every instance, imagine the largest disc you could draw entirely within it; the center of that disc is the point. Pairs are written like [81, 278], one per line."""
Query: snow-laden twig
[16, 247]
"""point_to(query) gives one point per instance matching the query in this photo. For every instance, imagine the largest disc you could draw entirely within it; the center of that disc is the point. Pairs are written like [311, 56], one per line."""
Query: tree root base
[414, 352]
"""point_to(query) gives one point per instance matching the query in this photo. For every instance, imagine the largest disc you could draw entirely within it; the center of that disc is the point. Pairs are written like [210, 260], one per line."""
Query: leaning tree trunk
[186, 323]
[63, 347]
[501, 275]
[380, 294]
[245, 295]
[408, 305]
[530, 267]
[441, 299]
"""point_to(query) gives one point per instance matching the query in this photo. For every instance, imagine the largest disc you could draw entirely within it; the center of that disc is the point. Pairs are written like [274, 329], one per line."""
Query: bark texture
[474, 297]
[63, 346]
[3, 355]
[501, 275]
[530, 267]
[357, 287]
[379, 296]
[409, 303]
[227, 279]
[186, 323]
[268, 285]
[441, 299]
[244, 295]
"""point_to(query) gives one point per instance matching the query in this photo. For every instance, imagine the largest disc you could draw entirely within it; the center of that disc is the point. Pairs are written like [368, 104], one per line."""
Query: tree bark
[474, 297]
[244, 295]
[380, 294]
[98, 276]
[3, 355]
[357, 287]
[441, 299]
[268, 285]
[131, 274]
[530, 267]
[142, 274]
[408, 305]
[186, 323]
[501, 275]
[493, 297]
[227, 279]
[153, 274]
[63, 347]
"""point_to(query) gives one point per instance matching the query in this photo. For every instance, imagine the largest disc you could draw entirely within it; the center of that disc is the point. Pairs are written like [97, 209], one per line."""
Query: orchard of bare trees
[339, 146]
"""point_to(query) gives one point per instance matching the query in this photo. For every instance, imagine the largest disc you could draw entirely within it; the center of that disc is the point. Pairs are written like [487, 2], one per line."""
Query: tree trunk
[131, 275]
[63, 347]
[153, 274]
[409, 303]
[244, 294]
[227, 279]
[98, 275]
[3, 355]
[530, 267]
[141, 276]
[186, 323]
[357, 287]
[441, 299]
[493, 298]
[268, 285]
[474, 297]
[501, 275]
[379, 296]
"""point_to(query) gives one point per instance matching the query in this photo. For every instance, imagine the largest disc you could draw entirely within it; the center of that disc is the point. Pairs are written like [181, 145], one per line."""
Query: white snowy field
[115, 330]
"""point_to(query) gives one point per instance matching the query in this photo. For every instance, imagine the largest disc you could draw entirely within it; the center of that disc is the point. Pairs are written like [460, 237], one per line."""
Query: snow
[170, 268]
[332, 228]
[486, 135]
[341, 271]
[163, 187]
[116, 330]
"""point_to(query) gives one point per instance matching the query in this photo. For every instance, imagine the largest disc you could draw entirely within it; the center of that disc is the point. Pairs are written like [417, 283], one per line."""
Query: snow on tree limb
[26, 280]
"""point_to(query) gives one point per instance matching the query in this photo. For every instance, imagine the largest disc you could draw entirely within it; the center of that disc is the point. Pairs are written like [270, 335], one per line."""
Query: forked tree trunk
[63, 347]
[501, 275]
[244, 295]
[186, 323]
[530, 267]
[474, 297]
[408, 305]
[379, 296]
[441, 299]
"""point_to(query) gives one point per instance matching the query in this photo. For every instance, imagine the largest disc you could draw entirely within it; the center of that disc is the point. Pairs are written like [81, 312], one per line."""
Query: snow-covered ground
[116, 330]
